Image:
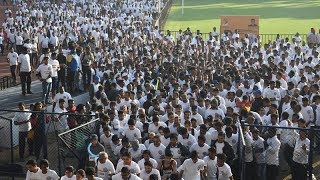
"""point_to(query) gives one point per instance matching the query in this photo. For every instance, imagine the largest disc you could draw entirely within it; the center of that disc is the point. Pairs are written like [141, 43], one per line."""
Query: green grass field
[283, 16]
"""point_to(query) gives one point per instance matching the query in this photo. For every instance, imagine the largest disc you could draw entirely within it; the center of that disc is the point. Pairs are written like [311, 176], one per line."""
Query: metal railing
[264, 38]
[6, 82]
[56, 152]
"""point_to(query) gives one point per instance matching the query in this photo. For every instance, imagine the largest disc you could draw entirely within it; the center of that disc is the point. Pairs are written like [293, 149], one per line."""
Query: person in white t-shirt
[224, 170]
[61, 95]
[132, 133]
[61, 119]
[148, 171]
[157, 149]
[21, 119]
[125, 174]
[47, 173]
[210, 167]
[55, 68]
[69, 174]
[200, 147]
[104, 166]
[45, 73]
[192, 168]
[24, 71]
[12, 58]
[147, 157]
[34, 172]
[126, 161]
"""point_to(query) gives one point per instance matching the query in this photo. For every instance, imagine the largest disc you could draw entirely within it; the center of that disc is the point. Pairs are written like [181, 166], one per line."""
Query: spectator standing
[73, 68]
[24, 71]
[55, 69]
[38, 121]
[21, 119]
[63, 68]
[45, 75]
[87, 59]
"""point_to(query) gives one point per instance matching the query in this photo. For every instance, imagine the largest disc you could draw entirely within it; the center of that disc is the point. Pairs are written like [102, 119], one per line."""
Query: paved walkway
[9, 98]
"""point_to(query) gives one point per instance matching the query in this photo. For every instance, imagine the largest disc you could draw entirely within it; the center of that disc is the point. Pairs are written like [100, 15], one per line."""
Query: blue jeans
[46, 88]
[261, 171]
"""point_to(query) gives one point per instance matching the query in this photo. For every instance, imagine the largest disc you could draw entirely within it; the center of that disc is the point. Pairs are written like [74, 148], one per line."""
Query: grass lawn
[283, 16]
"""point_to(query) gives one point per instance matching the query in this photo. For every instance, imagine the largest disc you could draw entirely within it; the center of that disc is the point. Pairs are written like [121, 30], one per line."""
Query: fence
[6, 82]
[291, 153]
[76, 140]
[264, 38]
[52, 148]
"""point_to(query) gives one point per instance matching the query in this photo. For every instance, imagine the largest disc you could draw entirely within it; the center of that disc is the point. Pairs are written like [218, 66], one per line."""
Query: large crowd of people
[169, 106]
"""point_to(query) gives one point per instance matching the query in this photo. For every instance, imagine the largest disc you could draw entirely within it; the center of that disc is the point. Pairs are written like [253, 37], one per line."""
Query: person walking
[24, 71]
[12, 58]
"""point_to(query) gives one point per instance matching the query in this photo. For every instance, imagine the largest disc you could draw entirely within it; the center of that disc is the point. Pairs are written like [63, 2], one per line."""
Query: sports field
[285, 17]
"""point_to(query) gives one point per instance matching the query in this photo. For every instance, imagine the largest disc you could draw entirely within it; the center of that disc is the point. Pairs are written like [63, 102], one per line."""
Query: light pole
[182, 10]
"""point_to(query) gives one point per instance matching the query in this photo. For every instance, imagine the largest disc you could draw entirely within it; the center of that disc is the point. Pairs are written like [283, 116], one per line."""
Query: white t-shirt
[13, 58]
[24, 61]
[103, 170]
[191, 170]
[224, 172]
[157, 152]
[66, 178]
[55, 67]
[211, 165]
[20, 117]
[132, 135]
[45, 71]
[134, 167]
[153, 162]
[61, 124]
[34, 176]
[50, 175]
[66, 96]
[19, 40]
[119, 177]
[145, 176]
[202, 151]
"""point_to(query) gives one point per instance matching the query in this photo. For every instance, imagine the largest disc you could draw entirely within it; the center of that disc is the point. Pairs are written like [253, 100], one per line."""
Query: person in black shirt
[258, 101]
[38, 124]
[63, 67]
